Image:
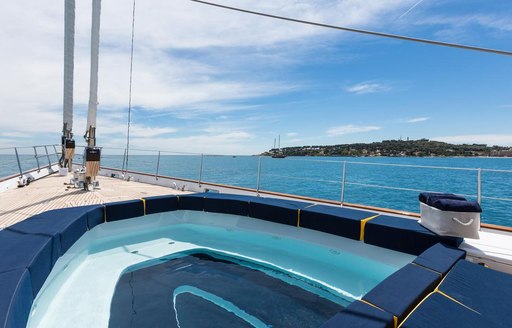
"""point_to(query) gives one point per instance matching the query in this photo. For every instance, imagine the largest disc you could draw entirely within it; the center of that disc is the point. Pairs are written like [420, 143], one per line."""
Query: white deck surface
[54, 192]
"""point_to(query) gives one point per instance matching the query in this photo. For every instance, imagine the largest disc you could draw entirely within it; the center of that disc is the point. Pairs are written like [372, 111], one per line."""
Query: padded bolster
[158, 204]
[440, 257]
[454, 205]
[124, 210]
[193, 202]
[440, 312]
[430, 197]
[399, 293]
[486, 291]
[228, 203]
[276, 210]
[339, 221]
[403, 235]
[360, 315]
[95, 216]
[66, 225]
[15, 299]
[36, 252]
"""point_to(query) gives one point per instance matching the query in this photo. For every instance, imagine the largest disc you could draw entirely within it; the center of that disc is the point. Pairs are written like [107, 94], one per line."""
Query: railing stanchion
[479, 187]
[343, 182]
[258, 178]
[124, 161]
[48, 156]
[157, 166]
[56, 153]
[200, 171]
[19, 164]
[37, 159]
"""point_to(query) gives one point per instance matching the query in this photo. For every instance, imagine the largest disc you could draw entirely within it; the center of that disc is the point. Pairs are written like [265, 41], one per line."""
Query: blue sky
[214, 81]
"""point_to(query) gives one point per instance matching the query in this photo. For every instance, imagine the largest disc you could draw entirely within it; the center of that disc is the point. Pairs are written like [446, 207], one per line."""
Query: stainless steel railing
[21, 160]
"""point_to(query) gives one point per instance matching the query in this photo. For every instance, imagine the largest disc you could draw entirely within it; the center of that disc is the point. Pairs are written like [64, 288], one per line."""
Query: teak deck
[54, 192]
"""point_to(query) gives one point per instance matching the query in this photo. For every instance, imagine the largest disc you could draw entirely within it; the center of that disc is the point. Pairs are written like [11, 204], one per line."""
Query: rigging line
[130, 90]
[354, 30]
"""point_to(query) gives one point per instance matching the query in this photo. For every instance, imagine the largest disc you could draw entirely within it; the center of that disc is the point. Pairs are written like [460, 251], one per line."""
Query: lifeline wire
[348, 29]
[130, 90]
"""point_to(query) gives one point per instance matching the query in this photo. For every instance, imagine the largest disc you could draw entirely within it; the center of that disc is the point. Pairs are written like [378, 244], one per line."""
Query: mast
[93, 87]
[68, 144]
[92, 153]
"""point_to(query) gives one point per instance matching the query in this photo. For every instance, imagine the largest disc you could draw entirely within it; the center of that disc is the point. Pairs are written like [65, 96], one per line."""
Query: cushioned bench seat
[16, 300]
[399, 293]
[403, 235]
[486, 291]
[228, 203]
[335, 220]
[192, 202]
[35, 251]
[360, 315]
[158, 204]
[440, 258]
[440, 312]
[276, 210]
[124, 210]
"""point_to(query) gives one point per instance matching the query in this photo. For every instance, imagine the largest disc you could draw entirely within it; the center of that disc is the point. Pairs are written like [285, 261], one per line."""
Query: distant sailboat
[279, 153]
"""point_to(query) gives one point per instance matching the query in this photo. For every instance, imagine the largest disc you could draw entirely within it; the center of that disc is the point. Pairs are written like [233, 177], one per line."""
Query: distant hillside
[397, 148]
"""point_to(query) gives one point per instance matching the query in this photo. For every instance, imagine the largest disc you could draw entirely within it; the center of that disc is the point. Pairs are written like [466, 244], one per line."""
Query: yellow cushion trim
[395, 321]
[363, 223]
[401, 323]
[429, 269]
[454, 300]
[104, 213]
[144, 204]
[298, 218]
[372, 305]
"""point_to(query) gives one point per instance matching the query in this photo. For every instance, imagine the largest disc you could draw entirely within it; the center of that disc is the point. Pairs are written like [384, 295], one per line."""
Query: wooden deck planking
[54, 192]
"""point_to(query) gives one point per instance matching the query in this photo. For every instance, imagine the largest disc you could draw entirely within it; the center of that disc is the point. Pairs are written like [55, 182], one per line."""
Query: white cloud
[292, 134]
[489, 139]
[350, 129]
[418, 119]
[367, 87]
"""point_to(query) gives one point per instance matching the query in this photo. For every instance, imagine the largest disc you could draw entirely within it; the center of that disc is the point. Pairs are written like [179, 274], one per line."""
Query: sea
[390, 182]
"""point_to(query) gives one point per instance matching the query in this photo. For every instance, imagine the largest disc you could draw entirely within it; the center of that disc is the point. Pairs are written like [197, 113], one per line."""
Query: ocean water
[368, 180]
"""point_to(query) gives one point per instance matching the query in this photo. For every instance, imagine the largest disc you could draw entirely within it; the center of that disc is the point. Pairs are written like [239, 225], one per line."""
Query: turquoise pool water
[80, 289]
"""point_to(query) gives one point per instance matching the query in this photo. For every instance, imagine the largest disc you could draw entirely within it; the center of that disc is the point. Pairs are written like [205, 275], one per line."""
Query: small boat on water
[277, 152]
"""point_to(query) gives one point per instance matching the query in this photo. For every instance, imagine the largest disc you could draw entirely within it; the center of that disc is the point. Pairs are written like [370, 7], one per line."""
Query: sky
[208, 80]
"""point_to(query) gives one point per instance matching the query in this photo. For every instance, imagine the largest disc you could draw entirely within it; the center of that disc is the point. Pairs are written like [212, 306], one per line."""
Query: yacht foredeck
[53, 192]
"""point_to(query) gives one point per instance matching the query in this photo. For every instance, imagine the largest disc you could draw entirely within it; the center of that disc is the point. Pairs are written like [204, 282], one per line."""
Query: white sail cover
[69, 46]
[95, 46]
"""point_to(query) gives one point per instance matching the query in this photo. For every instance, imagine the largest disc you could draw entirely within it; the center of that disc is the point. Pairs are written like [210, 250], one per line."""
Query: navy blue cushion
[399, 293]
[360, 315]
[430, 197]
[95, 216]
[66, 225]
[193, 202]
[455, 205]
[158, 204]
[124, 210]
[335, 220]
[486, 291]
[440, 312]
[276, 210]
[35, 251]
[227, 203]
[440, 257]
[15, 299]
[403, 235]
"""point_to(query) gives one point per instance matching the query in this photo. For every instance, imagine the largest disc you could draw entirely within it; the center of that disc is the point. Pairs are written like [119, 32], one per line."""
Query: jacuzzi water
[237, 271]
